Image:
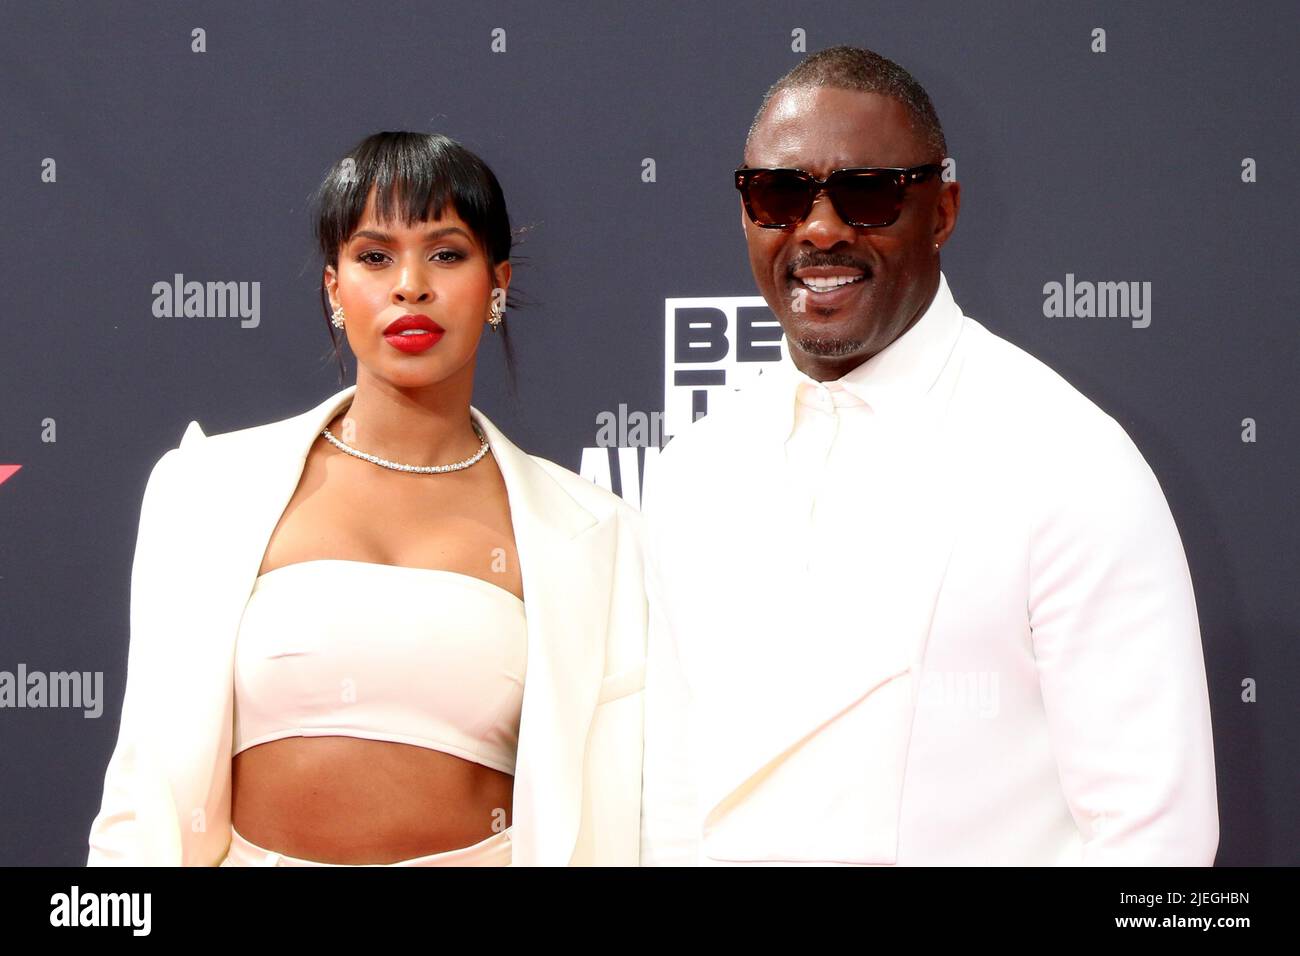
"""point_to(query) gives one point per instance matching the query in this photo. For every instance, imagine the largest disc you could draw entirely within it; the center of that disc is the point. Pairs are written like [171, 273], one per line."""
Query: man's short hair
[853, 68]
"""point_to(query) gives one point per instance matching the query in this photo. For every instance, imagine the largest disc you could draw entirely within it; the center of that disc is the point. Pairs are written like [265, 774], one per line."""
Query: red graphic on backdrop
[7, 472]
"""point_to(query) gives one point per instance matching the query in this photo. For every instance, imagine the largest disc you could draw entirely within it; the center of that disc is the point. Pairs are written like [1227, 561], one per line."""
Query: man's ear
[949, 204]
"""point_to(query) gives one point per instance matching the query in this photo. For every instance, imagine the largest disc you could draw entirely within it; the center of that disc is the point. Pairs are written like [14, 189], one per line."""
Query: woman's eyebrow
[427, 237]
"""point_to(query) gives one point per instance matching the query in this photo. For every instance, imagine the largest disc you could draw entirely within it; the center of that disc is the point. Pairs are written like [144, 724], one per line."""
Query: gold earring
[337, 317]
[497, 314]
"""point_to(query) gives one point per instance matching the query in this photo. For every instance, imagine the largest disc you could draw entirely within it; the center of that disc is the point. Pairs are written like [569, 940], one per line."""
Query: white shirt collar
[899, 374]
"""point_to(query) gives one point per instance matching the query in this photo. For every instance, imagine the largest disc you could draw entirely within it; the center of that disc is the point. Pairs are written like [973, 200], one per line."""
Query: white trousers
[491, 851]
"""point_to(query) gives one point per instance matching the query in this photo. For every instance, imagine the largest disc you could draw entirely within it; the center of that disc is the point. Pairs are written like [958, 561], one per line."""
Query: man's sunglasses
[861, 196]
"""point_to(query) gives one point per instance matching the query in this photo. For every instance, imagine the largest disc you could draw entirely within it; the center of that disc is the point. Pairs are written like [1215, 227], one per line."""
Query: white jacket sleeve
[115, 839]
[1118, 651]
[669, 821]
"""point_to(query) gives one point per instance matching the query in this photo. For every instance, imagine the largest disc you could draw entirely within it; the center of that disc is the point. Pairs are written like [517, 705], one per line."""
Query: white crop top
[413, 655]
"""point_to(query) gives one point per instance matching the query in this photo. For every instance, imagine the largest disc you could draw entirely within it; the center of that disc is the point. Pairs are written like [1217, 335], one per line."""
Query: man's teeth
[826, 283]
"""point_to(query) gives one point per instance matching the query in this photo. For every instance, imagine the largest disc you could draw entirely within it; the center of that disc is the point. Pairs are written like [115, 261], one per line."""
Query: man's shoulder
[723, 434]
[1021, 391]
[1027, 405]
[707, 436]
[700, 459]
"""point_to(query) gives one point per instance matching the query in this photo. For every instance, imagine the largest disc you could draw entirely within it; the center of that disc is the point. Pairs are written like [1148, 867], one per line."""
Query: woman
[377, 633]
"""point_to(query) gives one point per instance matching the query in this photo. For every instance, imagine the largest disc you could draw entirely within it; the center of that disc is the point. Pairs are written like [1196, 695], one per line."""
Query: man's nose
[823, 227]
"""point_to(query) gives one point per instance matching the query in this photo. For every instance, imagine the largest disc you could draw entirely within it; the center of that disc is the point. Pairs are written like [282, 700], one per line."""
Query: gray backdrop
[1123, 165]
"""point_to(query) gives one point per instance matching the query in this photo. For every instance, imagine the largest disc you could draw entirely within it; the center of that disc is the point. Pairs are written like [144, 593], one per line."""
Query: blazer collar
[284, 445]
[894, 379]
[245, 479]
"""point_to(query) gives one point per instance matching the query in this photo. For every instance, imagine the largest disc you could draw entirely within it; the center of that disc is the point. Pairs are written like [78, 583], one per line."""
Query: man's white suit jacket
[1007, 670]
[209, 509]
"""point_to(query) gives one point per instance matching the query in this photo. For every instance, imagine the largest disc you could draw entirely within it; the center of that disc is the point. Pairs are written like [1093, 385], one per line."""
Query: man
[914, 599]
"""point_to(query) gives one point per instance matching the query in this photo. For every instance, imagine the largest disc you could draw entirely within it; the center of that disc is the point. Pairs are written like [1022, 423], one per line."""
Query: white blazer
[997, 659]
[209, 509]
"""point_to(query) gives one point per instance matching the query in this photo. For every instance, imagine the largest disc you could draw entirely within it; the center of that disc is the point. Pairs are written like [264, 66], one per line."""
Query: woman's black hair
[415, 176]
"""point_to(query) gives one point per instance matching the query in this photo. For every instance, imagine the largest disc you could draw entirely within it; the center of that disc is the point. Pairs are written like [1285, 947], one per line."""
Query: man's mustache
[829, 261]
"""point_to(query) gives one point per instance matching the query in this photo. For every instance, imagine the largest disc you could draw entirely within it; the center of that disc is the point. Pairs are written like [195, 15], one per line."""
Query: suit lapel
[556, 539]
[785, 699]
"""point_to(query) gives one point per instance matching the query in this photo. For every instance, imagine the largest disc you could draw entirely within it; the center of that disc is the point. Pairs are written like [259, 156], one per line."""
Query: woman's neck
[429, 425]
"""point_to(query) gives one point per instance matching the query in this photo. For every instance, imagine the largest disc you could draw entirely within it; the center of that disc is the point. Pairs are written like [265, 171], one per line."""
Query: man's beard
[828, 347]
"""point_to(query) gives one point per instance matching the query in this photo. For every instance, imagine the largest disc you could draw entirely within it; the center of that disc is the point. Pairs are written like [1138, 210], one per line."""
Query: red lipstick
[413, 333]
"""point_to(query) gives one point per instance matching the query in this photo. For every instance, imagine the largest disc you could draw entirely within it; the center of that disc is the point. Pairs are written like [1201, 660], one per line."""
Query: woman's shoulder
[208, 459]
[195, 441]
[598, 500]
[210, 456]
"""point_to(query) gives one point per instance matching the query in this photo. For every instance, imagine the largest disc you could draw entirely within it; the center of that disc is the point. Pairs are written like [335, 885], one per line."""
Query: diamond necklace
[414, 469]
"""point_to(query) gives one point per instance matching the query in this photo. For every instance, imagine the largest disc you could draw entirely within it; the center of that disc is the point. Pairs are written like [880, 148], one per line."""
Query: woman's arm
[114, 836]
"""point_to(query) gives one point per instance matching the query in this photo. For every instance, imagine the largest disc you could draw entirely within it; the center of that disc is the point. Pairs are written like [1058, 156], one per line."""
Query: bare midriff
[350, 800]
